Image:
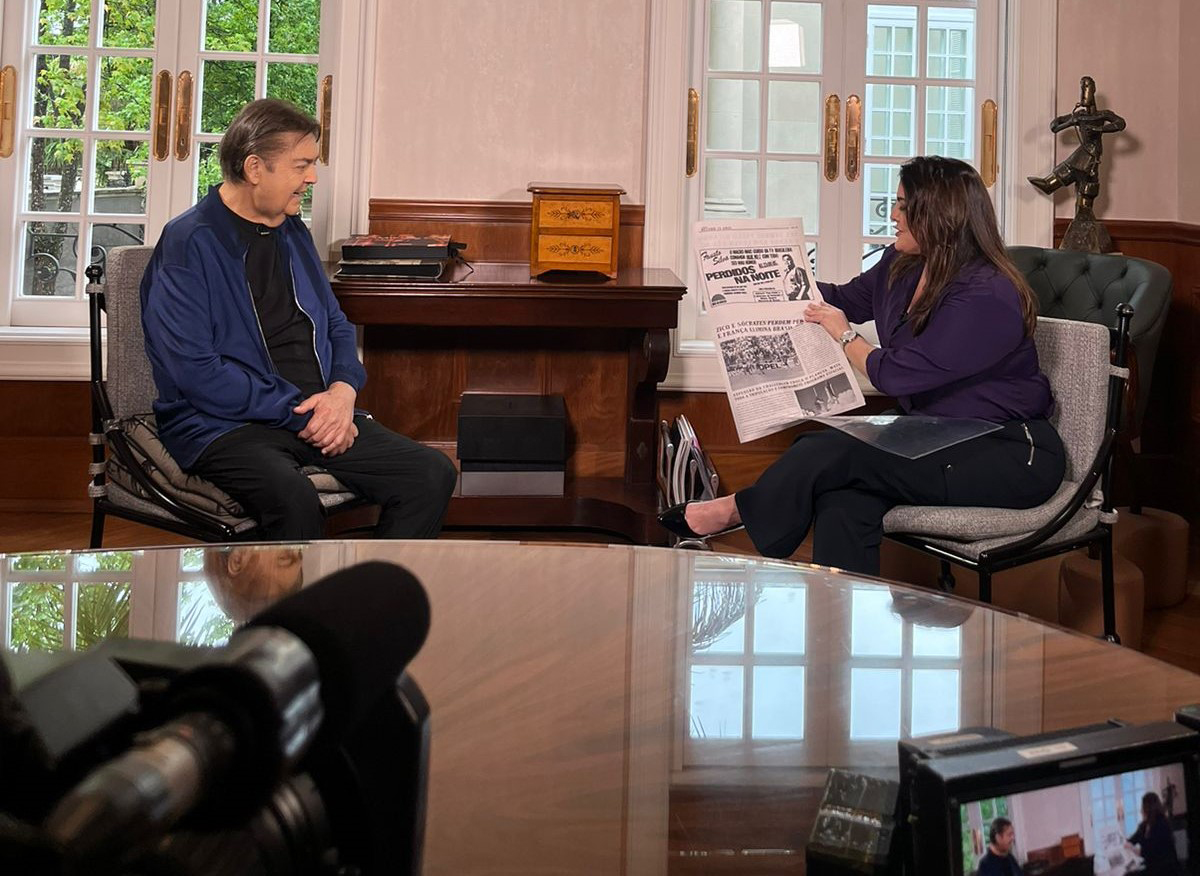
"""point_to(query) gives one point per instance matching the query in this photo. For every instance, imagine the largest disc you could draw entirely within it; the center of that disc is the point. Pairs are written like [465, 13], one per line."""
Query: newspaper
[779, 370]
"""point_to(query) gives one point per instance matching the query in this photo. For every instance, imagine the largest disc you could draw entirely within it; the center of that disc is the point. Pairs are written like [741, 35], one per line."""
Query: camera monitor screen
[1130, 822]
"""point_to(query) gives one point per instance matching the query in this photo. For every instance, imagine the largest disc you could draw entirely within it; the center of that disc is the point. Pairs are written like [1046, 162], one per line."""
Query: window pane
[37, 617]
[101, 612]
[106, 235]
[793, 116]
[231, 26]
[795, 40]
[50, 258]
[778, 707]
[730, 188]
[793, 189]
[294, 82]
[936, 642]
[732, 115]
[129, 24]
[874, 703]
[108, 561]
[192, 559]
[950, 121]
[201, 622]
[120, 181]
[872, 253]
[718, 618]
[874, 630]
[934, 701]
[63, 24]
[55, 168]
[227, 86]
[735, 35]
[879, 196]
[951, 43]
[208, 168]
[715, 702]
[889, 119]
[891, 37]
[779, 618]
[59, 91]
[295, 26]
[125, 87]
[39, 563]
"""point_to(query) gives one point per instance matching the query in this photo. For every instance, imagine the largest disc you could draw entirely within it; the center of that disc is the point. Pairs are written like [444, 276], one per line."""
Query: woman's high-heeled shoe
[674, 520]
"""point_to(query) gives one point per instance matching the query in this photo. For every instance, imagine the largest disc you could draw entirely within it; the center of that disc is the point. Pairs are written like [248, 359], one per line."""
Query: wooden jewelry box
[574, 228]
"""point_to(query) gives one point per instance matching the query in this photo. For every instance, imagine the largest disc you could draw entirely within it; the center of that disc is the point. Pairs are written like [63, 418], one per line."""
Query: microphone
[249, 716]
[363, 625]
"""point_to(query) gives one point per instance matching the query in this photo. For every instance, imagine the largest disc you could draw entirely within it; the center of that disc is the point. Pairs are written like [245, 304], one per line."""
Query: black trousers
[260, 467]
[842, 488]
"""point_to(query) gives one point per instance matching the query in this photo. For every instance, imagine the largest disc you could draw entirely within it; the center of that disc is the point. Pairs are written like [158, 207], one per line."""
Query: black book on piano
[425, 268]
[400, 246]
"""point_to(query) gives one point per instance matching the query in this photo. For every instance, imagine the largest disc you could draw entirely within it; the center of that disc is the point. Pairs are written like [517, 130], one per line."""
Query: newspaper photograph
[779, 370]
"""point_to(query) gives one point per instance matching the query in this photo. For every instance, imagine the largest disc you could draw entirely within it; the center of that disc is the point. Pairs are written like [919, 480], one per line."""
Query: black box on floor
[512, 428]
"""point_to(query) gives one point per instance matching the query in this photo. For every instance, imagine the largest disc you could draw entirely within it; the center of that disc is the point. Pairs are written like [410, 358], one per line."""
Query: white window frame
[61, 353]
[1028, 27]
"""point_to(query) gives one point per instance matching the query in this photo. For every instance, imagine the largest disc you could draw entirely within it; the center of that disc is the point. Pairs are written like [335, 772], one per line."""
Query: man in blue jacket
[256, 366]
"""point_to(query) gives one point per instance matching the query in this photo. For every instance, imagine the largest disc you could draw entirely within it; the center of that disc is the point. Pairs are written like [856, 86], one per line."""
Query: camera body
[345, 804]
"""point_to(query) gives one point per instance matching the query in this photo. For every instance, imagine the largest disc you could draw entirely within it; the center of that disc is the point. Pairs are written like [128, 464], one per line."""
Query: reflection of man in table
[795, 281]
[256, 366]
[245, 579]
[999, 860]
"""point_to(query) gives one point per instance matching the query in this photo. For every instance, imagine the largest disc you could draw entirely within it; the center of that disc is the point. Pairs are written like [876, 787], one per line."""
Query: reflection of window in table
[904, 679]
[198, 620]
[56, 601]
[746, 664]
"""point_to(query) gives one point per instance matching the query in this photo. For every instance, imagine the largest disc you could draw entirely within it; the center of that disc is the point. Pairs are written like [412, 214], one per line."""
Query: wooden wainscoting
[43, 442]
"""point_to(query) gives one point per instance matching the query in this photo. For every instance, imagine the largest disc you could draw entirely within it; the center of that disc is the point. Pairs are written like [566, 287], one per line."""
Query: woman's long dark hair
[951, 217]
[1152, 807]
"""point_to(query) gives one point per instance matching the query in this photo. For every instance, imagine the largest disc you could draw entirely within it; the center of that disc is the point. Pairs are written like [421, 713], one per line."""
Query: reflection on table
[602, 709]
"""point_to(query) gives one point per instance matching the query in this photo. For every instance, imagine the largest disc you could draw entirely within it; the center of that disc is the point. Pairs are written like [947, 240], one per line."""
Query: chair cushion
[118, 495]
[1085, 520]
[141, 431]
[964, 524]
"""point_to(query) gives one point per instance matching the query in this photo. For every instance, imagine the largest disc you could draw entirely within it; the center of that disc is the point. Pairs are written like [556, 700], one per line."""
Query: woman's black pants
[842, 487]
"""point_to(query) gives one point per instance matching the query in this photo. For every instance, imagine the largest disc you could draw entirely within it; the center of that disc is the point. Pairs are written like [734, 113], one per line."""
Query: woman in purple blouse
[955, 321]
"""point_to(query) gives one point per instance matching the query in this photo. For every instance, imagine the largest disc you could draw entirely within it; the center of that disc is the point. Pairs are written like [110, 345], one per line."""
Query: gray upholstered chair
[132, 475]
[1089, 391]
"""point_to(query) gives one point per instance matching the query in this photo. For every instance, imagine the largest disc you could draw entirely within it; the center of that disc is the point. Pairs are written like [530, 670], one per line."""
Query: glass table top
[610, 709]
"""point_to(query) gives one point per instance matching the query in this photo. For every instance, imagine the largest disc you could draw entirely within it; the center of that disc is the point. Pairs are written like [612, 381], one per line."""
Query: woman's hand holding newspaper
[829, 317]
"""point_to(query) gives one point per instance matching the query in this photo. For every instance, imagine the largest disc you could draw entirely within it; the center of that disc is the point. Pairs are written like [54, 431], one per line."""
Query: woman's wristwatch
[847, 336]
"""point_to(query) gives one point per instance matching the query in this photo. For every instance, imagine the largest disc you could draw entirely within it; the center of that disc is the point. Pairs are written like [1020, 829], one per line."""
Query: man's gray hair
[263, 128]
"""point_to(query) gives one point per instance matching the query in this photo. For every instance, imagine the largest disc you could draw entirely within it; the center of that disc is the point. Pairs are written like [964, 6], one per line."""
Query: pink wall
[1133, 52]
[474, 100]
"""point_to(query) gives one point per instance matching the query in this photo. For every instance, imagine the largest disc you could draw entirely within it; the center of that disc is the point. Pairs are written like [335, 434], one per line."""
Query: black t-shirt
[998, 865]
[287, 331]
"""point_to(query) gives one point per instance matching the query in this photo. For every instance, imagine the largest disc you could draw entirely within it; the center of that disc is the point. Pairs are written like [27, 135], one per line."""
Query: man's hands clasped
[331, 427]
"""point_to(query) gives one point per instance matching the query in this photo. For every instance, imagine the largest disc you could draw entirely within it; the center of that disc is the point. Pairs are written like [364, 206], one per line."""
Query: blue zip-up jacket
[203, 336]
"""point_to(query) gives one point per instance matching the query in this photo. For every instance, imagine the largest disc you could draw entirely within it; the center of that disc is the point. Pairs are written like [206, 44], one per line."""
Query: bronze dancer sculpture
[1082, 169]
